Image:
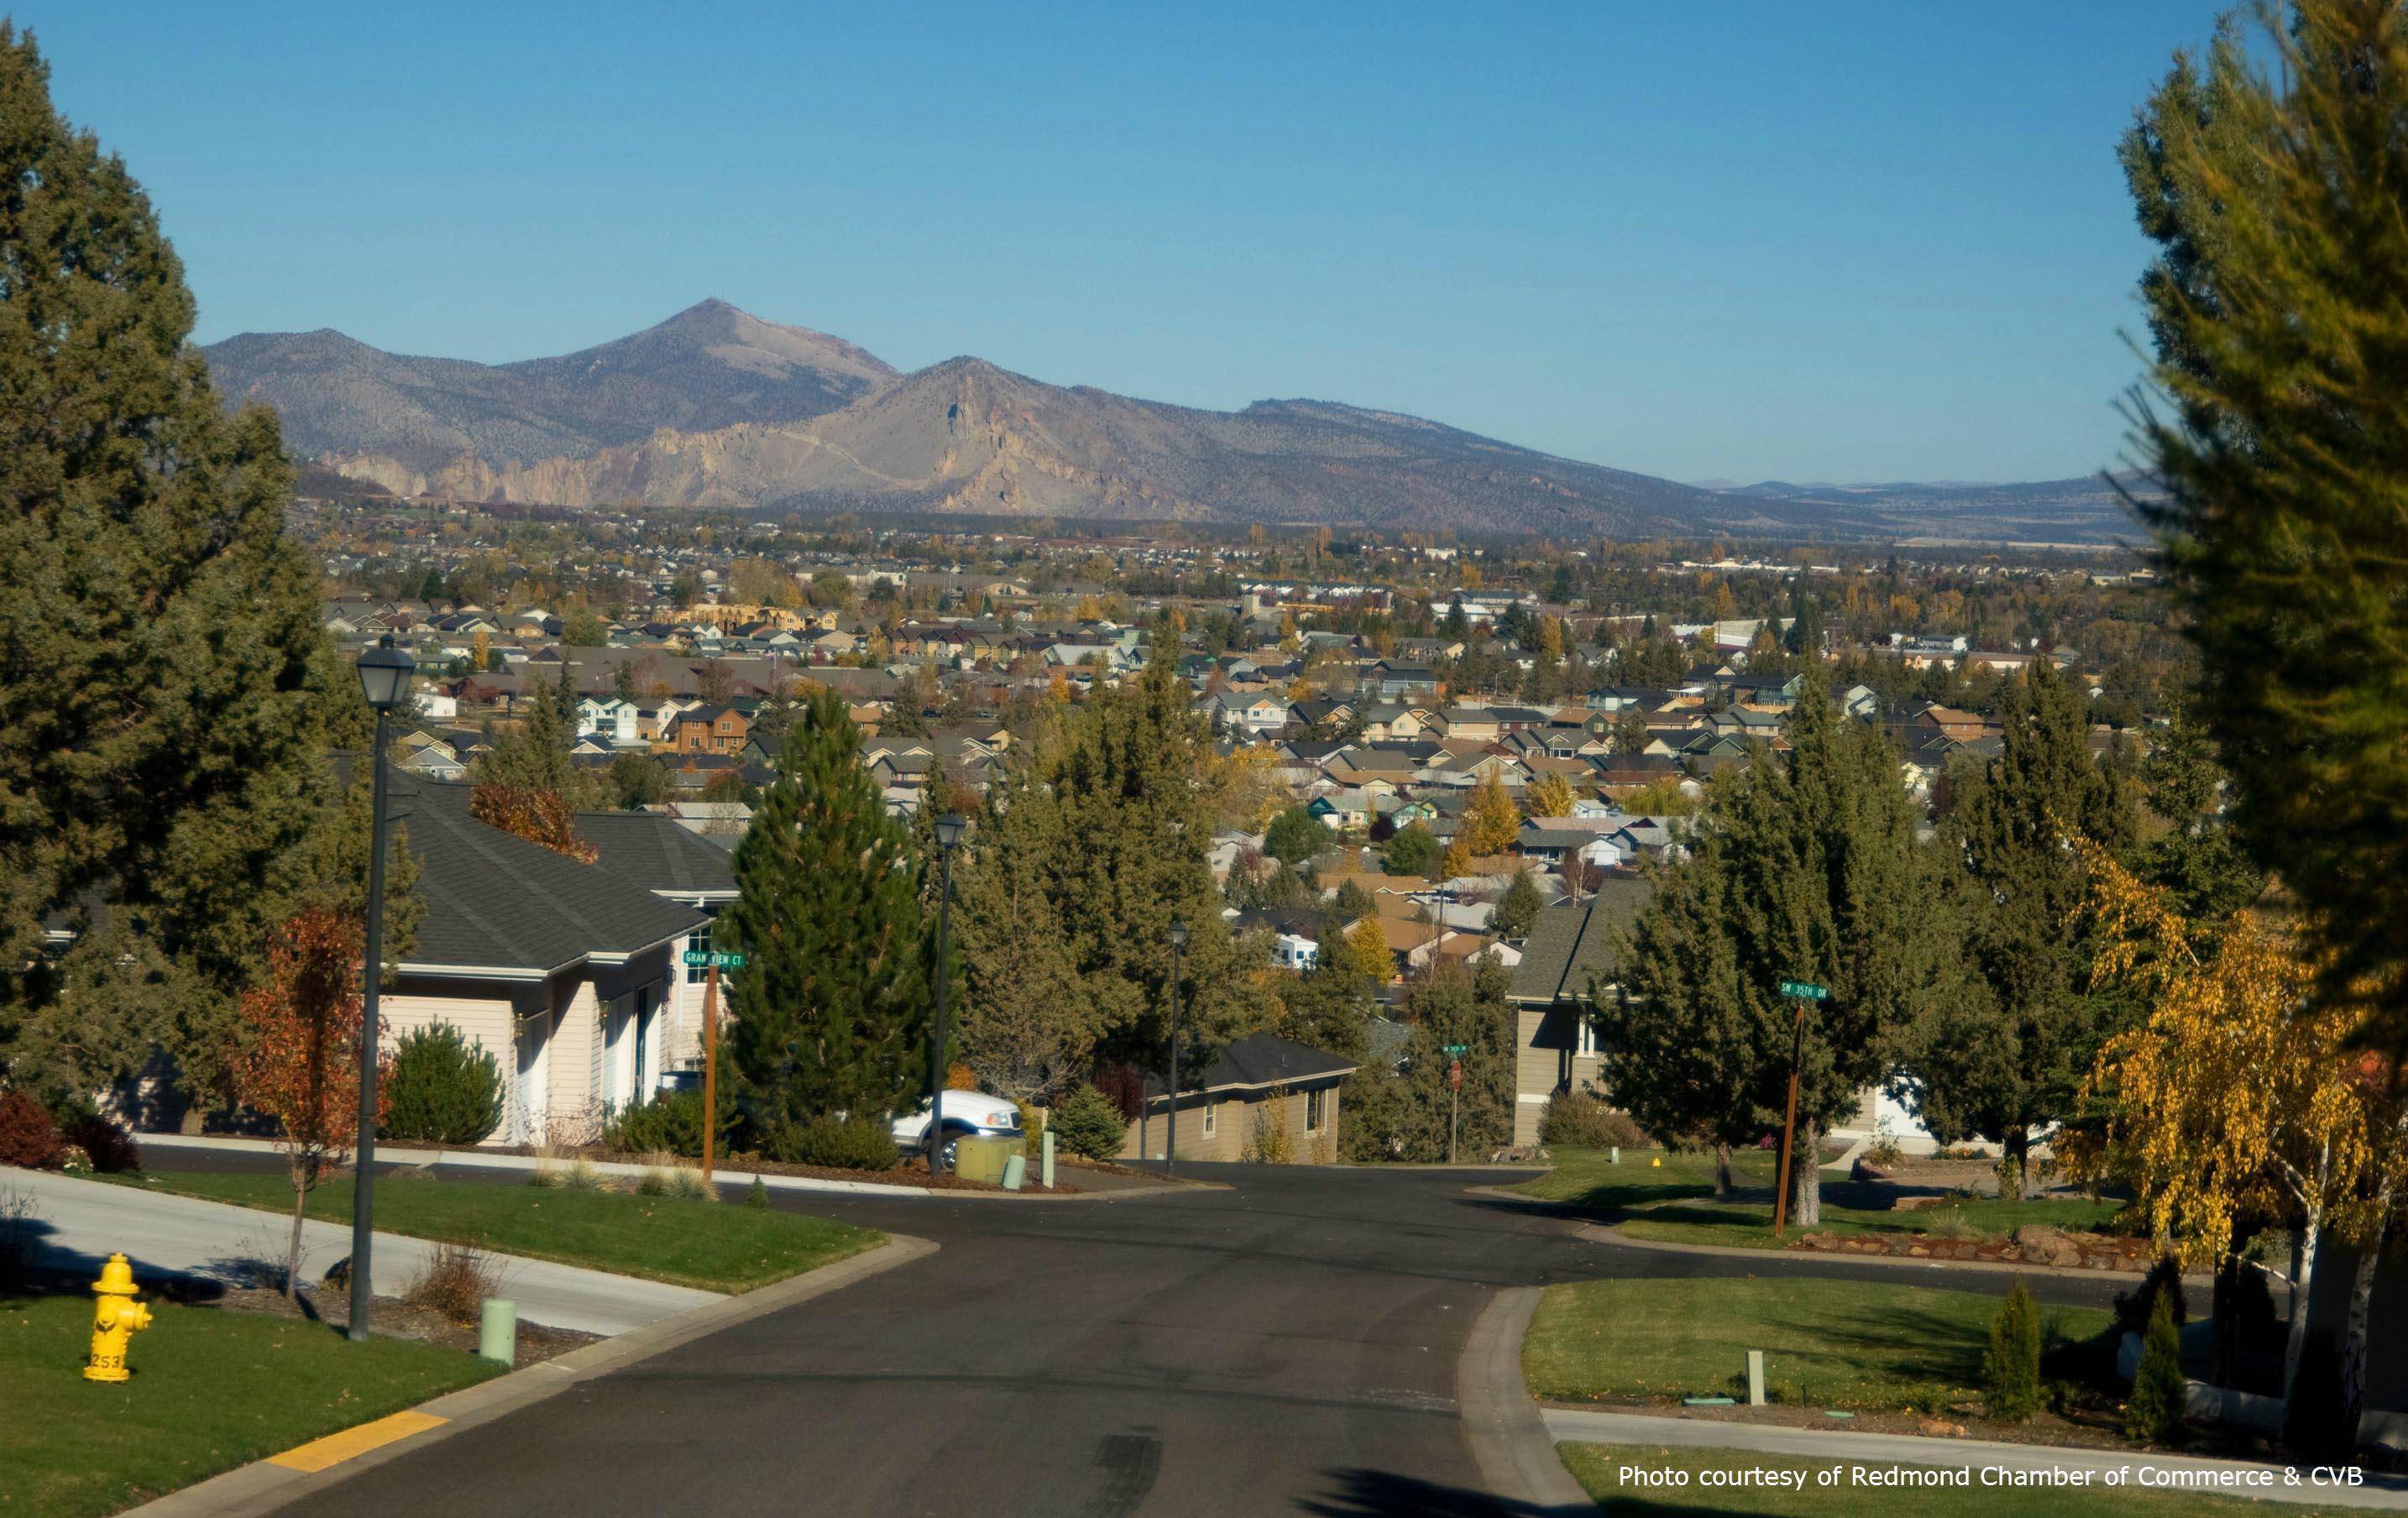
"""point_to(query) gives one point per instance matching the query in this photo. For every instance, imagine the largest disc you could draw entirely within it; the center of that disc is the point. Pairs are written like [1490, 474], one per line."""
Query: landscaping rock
[1939, 1429]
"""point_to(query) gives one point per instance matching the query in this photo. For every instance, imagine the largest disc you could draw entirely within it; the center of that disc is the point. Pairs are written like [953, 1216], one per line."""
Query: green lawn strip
[1828, 1343]
[715, 1246]
[1674, 1202]
[1601, 1469]
[211, 1390]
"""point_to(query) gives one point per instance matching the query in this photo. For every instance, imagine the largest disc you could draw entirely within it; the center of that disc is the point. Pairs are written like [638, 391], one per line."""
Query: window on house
[1211, 1120]
[699, 941]
[1587, 1034]
[1315, 1109]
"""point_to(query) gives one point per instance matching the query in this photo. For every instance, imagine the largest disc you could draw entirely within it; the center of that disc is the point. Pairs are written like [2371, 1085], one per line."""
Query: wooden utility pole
[711, 1069]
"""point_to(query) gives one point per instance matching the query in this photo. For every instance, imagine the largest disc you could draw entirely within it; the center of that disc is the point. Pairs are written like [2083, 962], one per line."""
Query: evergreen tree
[1809, 871]
[832, 1006]
[1415, 849]
[430, 590]
[165, 682]
[1999, 1064]
[535, 757]
[1327, 1007]
[1465, 1005]
[1516, 910]
[1028, 1029]
[2272, 193]
[1630, 734]
[2198, 858]
[1294, 836]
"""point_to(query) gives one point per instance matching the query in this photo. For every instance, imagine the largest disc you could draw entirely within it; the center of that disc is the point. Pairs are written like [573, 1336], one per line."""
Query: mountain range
[715, 407]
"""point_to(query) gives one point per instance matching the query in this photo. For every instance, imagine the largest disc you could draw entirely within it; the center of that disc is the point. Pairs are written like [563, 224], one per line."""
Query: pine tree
[1809, 871]
[2001, 1064]
[2010, 1365]
[1463, 1005]
[1027, 1030]
[2160, 1397]
[2272, 193]
[165, 682]
[832, 1010]
[1516, 910]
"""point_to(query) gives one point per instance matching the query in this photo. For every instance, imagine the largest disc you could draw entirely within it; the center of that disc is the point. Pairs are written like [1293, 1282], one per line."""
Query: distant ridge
[715, 407]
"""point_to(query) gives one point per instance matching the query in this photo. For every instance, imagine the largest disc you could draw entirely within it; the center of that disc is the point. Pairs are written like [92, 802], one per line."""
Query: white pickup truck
[966, 1112]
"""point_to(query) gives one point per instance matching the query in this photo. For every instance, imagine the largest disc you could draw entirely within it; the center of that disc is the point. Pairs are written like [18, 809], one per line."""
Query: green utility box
[981, 1157]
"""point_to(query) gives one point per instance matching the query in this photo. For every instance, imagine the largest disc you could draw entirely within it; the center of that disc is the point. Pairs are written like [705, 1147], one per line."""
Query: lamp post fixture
[1177, 941]
[949, 835]
[385, 678]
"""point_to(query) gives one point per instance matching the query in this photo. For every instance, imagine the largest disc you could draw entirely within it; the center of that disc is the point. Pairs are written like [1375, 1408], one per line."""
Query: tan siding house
[1570, 950]
[1261, 1093]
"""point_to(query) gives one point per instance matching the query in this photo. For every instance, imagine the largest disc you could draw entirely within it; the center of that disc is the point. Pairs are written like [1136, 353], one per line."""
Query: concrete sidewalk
[81, 1222]
[2138, 1472]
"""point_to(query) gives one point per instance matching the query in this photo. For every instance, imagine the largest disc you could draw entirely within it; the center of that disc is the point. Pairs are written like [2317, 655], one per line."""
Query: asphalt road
[1286, 1345]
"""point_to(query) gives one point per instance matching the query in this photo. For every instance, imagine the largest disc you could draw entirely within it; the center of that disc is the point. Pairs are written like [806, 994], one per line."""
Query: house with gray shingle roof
[1569, 952]
[567, 973]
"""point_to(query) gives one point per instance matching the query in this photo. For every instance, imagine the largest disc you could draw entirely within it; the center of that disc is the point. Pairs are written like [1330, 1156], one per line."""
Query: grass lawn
[1598, 1467]
[717, 1246]
[210, 1391]
[1675, 1203]
[1826, 1343]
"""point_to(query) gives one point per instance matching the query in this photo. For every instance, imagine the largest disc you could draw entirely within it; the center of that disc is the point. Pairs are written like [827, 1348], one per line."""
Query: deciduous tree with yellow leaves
[1490, 819]
[2241, 1096]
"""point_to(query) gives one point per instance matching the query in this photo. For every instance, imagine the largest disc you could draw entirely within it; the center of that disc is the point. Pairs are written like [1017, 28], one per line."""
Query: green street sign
[1807, 989]
[698, 958]
[1458, 1049]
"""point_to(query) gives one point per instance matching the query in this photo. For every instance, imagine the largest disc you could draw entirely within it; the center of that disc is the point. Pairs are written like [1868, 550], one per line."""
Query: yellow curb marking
[335, 1448]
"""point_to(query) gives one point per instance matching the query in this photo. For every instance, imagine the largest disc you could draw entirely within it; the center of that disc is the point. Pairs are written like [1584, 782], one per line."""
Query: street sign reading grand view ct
[699, 957]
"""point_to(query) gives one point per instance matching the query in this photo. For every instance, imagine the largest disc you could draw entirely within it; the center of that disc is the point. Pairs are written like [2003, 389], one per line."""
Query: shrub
[669, 1124]
[112, 1149]
[445, 1090]
[1270, 1142]
[2154, 1412]
[1576, 1119]
[456, 1282]
[862, 1143]
[2010, 1369]
[757, 1195]
[2134, 1308]
[19, 1238]
[1088, 1123]
[581, 1176]
[27, 1135]
[653, 1183]
[690, 1186]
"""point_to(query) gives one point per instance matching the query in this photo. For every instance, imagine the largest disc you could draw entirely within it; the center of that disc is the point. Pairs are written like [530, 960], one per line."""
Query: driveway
[1286, 1345]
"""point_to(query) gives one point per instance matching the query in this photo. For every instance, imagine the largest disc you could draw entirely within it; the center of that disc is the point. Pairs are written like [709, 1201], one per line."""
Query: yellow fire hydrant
[115, 1319]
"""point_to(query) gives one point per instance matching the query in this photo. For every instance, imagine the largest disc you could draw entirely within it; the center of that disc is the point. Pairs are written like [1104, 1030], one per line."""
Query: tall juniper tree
[1806, 871]
[165, 682]
[2005, 1063]
[2273, 197]
[831, 1007]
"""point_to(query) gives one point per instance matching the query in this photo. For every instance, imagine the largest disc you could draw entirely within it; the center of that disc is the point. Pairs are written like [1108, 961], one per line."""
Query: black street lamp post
[1177, 941]
[949, 835]
[385, 678]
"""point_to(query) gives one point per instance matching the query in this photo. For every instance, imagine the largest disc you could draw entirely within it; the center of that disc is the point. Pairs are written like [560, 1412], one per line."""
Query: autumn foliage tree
[2241, 1095]
[300, 1063]
[1490, 819]
[533, 813]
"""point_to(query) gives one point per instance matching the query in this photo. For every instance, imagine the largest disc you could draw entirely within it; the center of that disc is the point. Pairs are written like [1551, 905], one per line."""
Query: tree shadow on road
[1382, 1493]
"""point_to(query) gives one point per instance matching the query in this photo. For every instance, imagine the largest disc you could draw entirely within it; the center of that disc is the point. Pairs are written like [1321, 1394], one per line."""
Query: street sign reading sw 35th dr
[698, 958]
[1807, 989]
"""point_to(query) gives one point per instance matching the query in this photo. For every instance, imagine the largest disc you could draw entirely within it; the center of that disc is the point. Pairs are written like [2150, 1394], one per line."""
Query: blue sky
[1719, 241]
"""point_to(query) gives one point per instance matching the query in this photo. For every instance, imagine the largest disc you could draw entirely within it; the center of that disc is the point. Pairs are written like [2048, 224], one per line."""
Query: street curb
[720, 1175]
[260, 1487]
[1510, 1440]
[1581, 1426]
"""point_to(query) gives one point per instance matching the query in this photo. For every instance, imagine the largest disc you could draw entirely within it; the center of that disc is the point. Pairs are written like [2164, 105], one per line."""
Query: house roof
[667, 861]
[1261, 1060]
[1570, 944]
[501, 907]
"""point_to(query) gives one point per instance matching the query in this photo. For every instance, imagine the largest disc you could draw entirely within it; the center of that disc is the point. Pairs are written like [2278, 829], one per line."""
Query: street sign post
[1804, 991]
[1454, 1100]
[714, 962]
